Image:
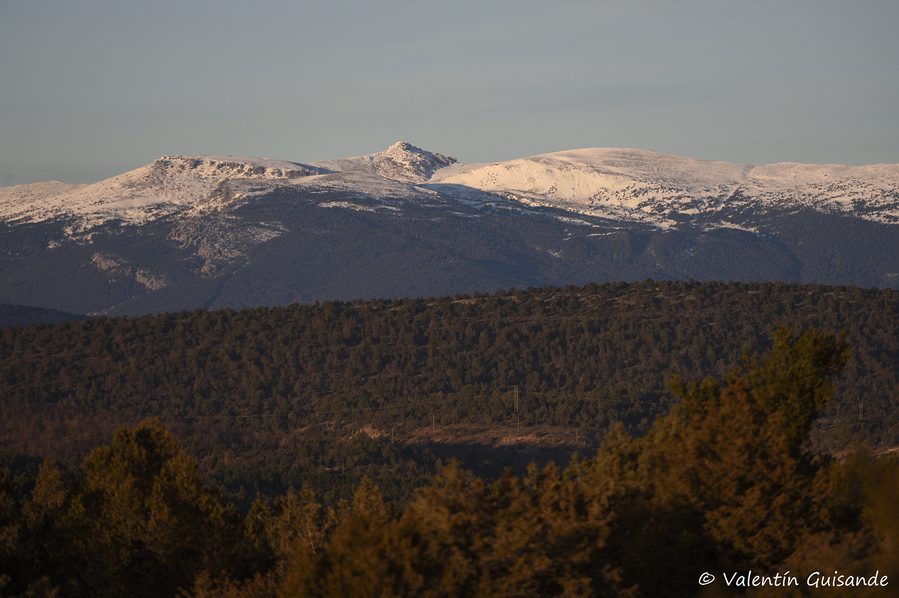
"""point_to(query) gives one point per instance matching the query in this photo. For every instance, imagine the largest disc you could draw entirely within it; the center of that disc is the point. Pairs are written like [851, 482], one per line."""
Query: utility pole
[517, 413]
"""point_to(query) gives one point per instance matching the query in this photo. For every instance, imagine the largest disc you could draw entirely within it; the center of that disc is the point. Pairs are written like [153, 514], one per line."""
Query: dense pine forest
[271, 398]
[724, 484]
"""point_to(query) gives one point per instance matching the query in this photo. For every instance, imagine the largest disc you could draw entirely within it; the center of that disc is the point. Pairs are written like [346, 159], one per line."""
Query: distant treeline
[269, 398]
[11, 315]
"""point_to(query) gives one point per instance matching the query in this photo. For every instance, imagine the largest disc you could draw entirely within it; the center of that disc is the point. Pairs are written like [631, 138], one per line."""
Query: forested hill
[10, 315]
[290, 388]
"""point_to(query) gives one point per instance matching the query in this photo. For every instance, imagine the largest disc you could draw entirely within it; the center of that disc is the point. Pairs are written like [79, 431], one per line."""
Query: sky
[94, 88]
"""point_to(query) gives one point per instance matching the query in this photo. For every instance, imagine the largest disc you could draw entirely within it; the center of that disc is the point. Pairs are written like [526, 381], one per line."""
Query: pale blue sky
[93, 88]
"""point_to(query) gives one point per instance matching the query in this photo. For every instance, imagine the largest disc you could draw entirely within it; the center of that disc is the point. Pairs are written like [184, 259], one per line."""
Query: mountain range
[188, 232]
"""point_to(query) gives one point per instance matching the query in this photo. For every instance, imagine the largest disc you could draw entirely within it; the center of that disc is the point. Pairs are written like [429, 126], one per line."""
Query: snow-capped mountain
[627, 185]
[189, 231]
[650, 187]
[195, 184]
[169, 185]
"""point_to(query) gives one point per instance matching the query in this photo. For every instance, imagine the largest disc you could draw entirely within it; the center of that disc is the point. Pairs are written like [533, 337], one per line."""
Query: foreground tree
[152, 523]
[139, 522]
[723, 478]
[722, 483]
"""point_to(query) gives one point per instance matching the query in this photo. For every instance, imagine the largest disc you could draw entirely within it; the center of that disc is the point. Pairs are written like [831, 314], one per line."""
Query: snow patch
[357, 207]
[117, 267]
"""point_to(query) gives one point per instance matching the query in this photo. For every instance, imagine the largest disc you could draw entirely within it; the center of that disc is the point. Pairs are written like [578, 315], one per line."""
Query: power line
[393, 406]
[450, 399]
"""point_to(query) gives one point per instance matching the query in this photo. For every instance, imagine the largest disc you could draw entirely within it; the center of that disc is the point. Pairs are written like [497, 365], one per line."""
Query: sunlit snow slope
[650, 187]
[620, 184]
[168, 185]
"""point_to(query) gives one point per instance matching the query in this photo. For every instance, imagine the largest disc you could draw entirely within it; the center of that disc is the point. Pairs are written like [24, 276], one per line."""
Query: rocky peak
[404, 161]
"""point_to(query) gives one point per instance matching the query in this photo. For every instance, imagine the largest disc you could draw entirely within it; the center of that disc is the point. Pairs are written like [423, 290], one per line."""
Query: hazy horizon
[99, 88]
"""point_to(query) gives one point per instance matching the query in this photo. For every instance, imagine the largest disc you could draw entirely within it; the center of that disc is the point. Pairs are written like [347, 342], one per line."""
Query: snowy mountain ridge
[628, 185]
[650, 187]
[168, 185]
